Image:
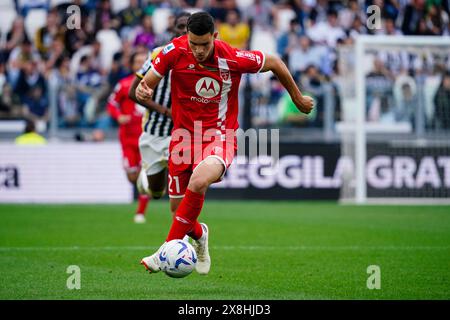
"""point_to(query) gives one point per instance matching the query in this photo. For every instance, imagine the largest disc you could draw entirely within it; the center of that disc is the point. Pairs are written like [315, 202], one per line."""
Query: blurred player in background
[128, 114]
[157, 124]
[205, 76]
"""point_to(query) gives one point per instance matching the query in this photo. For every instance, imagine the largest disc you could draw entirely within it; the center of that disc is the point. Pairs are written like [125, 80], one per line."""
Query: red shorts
[183, 159]
[131, 157]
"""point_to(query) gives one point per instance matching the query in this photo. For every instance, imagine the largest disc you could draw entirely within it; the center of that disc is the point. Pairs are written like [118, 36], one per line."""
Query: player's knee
[198, 184]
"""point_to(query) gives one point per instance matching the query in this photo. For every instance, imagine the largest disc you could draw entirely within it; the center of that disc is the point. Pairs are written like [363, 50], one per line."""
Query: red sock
[196, 232]
[185, 220]
[142, 203]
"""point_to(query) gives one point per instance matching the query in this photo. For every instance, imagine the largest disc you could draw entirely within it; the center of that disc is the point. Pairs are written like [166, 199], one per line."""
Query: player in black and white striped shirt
[156, 124]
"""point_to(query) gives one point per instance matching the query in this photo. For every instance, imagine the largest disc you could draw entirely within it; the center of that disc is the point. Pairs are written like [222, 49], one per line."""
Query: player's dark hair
[200, 23]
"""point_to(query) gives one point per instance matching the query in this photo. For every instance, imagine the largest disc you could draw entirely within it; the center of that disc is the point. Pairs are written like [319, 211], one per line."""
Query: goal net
[395, 132]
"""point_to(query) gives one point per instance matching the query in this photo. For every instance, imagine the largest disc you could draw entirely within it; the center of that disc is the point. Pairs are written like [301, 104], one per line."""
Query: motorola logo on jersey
[207, 87]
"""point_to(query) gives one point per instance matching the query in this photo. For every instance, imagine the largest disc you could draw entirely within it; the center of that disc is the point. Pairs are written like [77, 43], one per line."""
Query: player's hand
[305, 104]
[124, 119]
[168, 112]
[143, 91]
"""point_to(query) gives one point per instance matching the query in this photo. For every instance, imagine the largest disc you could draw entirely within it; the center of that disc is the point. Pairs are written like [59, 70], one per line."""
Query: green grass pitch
[259, 250]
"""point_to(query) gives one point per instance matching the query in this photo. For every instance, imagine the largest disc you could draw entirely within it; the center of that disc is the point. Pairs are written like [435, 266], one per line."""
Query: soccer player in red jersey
[129, 116]
[205, 81]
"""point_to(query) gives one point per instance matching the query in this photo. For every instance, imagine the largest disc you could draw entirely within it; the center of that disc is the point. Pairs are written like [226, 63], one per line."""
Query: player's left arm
[147, 85]
[272, 63]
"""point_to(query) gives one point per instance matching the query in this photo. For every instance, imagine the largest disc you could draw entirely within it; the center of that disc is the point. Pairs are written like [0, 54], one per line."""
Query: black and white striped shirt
[153, 122]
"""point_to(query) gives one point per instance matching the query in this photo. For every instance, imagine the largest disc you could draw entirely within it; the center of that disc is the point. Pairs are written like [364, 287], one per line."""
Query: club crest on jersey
[168, 48]
[207, 87]
[225, 74]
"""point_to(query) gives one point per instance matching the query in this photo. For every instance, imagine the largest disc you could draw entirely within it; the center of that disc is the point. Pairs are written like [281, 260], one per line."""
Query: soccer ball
[178, 258]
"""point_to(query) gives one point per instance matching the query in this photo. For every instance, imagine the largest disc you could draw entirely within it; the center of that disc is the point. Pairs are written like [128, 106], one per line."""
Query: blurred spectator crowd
[46, 61]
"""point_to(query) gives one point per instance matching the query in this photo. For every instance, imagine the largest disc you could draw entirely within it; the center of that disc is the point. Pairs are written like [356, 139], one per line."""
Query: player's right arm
[146, 86]
[136, 95]
[147, 103]
[161, 65]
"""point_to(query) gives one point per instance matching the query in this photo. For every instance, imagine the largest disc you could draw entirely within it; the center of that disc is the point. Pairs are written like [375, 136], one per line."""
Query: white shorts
[154, 153]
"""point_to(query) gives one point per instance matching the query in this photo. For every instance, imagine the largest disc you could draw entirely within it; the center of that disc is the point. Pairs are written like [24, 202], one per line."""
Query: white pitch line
[250, 248]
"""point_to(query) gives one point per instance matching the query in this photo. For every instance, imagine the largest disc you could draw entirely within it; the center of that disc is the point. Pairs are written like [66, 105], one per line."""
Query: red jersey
[120, 104]
[207, 91]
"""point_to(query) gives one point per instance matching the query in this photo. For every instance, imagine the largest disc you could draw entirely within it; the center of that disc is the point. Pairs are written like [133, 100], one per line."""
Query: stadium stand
[308, 34]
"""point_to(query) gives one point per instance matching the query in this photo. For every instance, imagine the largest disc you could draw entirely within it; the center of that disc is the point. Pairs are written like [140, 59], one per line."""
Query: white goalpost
[395, 130]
